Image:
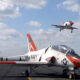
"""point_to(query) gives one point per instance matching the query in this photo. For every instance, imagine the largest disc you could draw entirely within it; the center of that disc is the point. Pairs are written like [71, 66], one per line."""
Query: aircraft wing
[19, 60]
[74, 28]
[12, 59]
[58, 26]
[25, 63]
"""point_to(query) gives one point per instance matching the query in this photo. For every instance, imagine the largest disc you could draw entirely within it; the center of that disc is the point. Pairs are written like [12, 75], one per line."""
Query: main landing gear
[72, 75]
[27, 73]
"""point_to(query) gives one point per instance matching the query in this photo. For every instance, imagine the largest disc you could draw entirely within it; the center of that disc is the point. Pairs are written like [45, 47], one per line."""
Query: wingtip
[52, 25]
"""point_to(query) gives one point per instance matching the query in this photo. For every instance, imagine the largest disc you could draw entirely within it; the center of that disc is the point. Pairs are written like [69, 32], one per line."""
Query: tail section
[31, 45]
[63, 23]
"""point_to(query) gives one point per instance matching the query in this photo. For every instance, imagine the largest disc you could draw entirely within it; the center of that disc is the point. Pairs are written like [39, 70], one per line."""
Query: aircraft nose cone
[77, 62]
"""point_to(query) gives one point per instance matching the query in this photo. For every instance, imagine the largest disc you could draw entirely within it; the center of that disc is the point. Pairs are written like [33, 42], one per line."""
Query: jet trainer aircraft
[57, 55]
[66, 25]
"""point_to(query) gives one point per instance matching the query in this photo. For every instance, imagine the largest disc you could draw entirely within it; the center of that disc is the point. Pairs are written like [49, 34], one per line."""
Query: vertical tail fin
[63, 23]
[31, 45]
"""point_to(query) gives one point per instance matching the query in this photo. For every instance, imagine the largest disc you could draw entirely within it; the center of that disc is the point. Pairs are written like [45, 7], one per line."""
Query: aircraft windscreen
[66, 50]
[61, 48]
[72, 54]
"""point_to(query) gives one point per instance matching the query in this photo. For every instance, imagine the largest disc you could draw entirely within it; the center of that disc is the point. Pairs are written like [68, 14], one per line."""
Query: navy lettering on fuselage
[33, 56]
[27, 58]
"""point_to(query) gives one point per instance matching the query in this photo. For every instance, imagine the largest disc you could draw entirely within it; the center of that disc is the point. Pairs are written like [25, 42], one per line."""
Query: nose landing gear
[70, 73]
[27, 73]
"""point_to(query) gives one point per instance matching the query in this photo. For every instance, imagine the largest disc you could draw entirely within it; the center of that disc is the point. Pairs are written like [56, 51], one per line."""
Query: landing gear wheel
[71, 76]
[27, 73]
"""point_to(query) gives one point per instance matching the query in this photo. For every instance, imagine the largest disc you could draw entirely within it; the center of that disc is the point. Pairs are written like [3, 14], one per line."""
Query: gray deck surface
[11, 72]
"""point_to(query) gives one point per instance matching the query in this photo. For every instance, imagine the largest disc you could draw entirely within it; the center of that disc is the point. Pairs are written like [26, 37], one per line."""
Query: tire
[71, 76]
[27, 73]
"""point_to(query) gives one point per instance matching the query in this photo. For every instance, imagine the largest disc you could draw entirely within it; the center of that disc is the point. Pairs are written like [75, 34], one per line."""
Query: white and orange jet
[57, 55]
[66, 25]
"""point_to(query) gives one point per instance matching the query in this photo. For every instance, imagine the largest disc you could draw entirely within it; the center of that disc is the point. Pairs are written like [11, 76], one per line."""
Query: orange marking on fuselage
[76, 61]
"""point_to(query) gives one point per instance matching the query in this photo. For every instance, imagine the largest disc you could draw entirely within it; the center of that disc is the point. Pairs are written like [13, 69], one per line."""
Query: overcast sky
[19, 17]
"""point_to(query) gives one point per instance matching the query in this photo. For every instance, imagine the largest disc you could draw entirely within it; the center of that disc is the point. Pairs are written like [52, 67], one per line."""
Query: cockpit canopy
[65, 50]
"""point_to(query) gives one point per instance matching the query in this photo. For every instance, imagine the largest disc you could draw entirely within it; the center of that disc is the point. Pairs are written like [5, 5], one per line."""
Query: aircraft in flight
[66, 25]
[57, 55]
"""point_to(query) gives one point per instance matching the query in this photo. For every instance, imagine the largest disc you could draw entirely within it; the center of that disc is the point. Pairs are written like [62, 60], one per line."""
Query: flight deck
[11, 72]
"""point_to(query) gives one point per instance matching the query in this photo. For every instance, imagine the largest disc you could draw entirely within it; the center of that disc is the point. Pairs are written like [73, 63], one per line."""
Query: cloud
[8, 10]
[11, 8]
[2, 26]
[71, 5]
[11, 41]
[6, 33]
[77, 24]
[33, 4]
[9, 34]
[12, 48]
[50, 32]
[44, 38]
[34, 23]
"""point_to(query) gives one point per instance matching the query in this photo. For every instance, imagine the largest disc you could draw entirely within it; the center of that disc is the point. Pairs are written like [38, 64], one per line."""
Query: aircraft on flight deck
[66, 25]
[57, 55]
